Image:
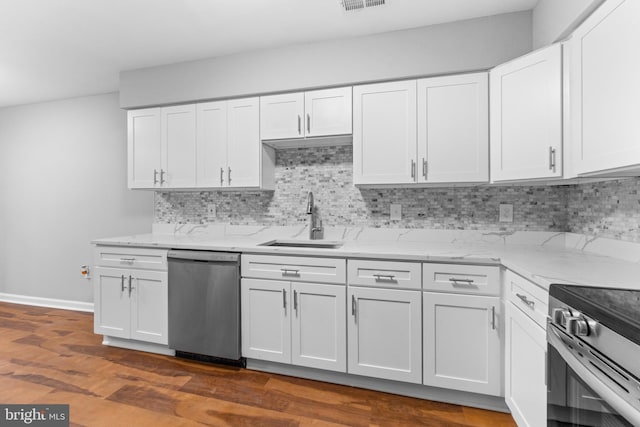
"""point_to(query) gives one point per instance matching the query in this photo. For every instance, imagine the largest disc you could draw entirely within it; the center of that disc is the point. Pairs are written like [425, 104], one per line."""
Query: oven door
[583, 387]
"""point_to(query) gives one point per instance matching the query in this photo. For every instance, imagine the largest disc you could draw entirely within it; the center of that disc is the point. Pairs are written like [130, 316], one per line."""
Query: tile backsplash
[609, 209]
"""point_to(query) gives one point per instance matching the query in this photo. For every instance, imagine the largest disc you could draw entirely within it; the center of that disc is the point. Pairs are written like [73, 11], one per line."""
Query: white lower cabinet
[291, 322]
[385, 334]
[462, 342]
[131, 304]
[525, 369]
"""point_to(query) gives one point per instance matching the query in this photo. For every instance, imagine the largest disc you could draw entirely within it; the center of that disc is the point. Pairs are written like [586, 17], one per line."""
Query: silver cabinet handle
[353, 305]
[413, 168]
[552, 159]
[299, 125]
[129, 260]
[284, 298]
[525, 300]
[424, 167]
[228, 175]
[385, 277]
[162, 180]
[155, 177]
[295, 300]
[221, 176]
[290, 272]
[308, 123]
[461, 282]
[122, 283]
[493, 317]
[130, 287]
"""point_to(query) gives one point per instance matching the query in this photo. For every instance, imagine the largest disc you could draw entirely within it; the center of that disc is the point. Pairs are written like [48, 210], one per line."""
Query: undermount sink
[316, 244]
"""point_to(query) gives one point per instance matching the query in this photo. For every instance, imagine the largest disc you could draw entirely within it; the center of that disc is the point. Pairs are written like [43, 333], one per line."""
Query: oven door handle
[620, 405]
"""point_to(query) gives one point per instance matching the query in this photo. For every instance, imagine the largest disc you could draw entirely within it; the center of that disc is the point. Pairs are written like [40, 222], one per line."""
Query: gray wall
[447, 48]
[554, 19]
[63, 172]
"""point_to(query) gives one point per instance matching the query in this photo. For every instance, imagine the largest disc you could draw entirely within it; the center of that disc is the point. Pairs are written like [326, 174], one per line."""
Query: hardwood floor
[52, 356]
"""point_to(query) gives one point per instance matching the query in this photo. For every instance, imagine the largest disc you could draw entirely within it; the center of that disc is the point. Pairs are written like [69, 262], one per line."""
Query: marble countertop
[542, 257]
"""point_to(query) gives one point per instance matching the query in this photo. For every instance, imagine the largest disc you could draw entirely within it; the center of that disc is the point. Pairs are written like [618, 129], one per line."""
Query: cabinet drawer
[384, 274]
[528, 297]
[294, 268]
[116, 256]
[462, 279]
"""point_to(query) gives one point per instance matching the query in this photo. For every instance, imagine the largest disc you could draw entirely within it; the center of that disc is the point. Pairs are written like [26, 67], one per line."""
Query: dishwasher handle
[204, 256]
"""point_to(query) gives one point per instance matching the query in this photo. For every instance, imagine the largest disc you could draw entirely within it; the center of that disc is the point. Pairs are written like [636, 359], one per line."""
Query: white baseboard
[138, 345]
[47, 302]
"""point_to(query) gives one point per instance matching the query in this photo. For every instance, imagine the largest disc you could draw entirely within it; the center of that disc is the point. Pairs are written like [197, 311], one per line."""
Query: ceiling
[53, 49]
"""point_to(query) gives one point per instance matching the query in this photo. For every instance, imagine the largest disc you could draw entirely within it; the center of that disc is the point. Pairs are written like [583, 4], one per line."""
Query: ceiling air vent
[351, 5]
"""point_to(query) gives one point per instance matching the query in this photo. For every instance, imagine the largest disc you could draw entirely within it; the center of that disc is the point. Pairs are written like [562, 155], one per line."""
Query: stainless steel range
[594, 357]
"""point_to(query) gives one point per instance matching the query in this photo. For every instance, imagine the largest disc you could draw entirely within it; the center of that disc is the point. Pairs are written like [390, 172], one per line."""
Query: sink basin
[316, 244]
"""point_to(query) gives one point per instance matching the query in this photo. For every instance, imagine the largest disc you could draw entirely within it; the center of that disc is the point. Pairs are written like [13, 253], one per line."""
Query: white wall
[554, 19]
[447, 48]
[63, 169]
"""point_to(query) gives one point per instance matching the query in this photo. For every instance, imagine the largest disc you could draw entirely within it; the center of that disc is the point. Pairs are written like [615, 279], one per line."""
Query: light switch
[396, 212]
[506, 212]
[211, 211]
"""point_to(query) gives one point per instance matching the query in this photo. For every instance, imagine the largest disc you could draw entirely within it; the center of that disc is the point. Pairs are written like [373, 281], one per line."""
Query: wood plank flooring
[52, 356]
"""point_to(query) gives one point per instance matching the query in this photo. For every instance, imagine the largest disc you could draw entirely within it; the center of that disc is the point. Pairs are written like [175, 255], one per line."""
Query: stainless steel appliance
[593, 357]
[204, 304]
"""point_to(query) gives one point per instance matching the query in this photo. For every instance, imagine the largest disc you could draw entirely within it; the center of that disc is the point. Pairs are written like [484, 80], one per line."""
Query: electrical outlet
[395, 212]
[506, 212]
[211, 211]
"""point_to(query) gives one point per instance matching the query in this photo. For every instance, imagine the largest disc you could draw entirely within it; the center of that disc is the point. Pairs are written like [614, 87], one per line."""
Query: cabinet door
[453, 128]
[211, 139]
[143, 141]
[266, 330]
[385, 334]
[111, 302]
[243, 143]
[462, 342]
[525, 369]
[328, 112]
[178, 136]
[384, 133]
[149, 295]
[282, 116]
[318, 326]
[526, 117]
[605, 89]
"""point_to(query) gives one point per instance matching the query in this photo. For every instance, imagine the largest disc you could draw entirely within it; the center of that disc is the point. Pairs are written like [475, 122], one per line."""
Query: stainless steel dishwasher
[204, 304]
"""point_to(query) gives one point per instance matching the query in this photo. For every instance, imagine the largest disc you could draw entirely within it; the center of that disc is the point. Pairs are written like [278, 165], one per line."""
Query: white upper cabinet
[178, 142]
[306, 114]
[212, 144]
[453, 129]
[605, 89]
[384, 133]
[144, 151]
[243, 143]
[526, 117]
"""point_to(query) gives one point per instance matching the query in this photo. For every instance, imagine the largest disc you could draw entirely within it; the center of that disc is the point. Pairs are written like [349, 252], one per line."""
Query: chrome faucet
[315, 226]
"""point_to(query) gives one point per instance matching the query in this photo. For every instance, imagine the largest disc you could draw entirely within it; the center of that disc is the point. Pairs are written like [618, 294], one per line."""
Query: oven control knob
[560, 316]
[577, 326]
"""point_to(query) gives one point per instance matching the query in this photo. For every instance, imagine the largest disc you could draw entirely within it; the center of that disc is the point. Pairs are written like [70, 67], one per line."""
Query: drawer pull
[129, 260]
[385, 278]
[461, 282]
[526, 300]
[290, 272]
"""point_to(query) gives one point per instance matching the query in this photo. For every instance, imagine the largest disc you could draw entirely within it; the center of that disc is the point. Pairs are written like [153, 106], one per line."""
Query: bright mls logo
[34, 415]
